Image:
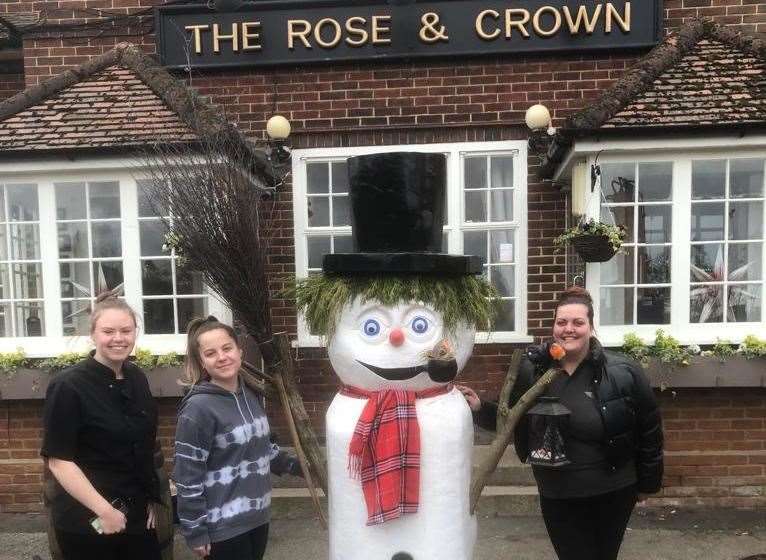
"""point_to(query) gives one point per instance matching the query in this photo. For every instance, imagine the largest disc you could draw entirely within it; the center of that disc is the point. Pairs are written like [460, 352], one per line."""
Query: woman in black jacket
[614, 439]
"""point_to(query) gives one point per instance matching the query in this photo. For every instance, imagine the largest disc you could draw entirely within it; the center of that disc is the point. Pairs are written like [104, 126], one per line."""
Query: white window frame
[127, 172]
[453, 226]
[679, 327]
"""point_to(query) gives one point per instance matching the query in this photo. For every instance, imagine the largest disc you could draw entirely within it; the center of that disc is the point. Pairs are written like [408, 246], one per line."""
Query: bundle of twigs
[218, 213]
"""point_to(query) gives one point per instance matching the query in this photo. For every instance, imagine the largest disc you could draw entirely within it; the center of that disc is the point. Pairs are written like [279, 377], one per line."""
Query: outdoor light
[538, 119]
[548, 423]
[278, 129]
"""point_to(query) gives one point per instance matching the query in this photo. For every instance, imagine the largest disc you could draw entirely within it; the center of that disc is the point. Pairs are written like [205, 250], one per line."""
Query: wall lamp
[538, 119]
[278, 129]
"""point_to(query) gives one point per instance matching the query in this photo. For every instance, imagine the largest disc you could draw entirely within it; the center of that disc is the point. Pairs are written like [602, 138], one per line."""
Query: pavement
[653, 534]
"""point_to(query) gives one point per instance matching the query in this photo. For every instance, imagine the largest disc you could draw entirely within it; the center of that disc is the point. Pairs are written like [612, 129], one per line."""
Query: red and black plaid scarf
[385, 451]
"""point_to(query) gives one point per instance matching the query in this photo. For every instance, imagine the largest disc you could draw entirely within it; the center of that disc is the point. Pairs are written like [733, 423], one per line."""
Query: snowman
[400, 318]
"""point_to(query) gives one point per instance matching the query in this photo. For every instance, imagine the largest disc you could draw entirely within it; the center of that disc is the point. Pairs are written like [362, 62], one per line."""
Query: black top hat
[397, 206]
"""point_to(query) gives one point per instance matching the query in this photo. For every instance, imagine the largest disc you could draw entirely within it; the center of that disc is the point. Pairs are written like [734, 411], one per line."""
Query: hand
[473, 400]
[112, 521]
[202, 551]
[151, 515]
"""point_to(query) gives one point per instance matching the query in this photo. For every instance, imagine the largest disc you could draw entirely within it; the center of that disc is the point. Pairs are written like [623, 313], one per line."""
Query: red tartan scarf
[385, 451]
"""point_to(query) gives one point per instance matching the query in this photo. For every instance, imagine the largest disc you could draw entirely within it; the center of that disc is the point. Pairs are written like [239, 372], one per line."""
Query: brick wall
[10, 84]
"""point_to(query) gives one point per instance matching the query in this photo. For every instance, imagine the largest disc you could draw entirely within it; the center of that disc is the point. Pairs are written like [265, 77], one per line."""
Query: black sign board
[299, 31]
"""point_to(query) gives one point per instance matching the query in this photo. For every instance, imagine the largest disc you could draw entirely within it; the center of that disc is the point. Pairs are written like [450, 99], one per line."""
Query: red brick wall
[10, 84]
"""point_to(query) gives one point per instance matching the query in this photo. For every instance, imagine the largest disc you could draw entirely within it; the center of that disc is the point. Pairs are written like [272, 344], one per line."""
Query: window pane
[618, 182]
[317, 178]
[341, 211]
[339, 177]
[6, 320]
[3, 241]
[76, 317]
[707, 221]
[502, 278]
[188, 309]
[619, 215]
[158, 316]
[156, 277]
[73, 240]
[502, 172]
[501, 243]
[152, 235]
[319, 211]
[75, 279]
[746, 179]
[317, 247]
[506, 316]
[653, 306]
[22, 203]
[707, 262]
[654, 224]
[104, 200]
[744, 303]
[343, 244]
[745, 220]
[476, 206]
[745, 261]
[653, 265]
[619, 269]
[25, 241]
[70, 201]
[475, 172]
[655, 181]
[502, 205]
[616, 306]
[27, 281]
[29, 319]
[107, 275]
[107, 239]
[5, 286]
[708, 179]
[475, 243]
[145, 208]
[189, 281]
[706, 303]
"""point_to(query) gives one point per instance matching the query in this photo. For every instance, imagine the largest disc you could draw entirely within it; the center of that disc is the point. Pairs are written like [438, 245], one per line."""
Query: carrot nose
[396, 337]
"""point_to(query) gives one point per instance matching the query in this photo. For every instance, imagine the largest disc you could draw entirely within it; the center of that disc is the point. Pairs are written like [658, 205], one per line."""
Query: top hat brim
[401, 263]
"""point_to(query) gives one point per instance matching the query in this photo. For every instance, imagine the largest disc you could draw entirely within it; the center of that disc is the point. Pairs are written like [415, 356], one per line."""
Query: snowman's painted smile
[395, 374]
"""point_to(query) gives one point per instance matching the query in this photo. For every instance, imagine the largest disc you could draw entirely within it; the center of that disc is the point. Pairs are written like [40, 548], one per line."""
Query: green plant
[144, 358]
[615, 234]
[669, 351]
[722, 349]
[61, 361]
[171, 359]
[633, 346]
[11, 361]
[752, 347]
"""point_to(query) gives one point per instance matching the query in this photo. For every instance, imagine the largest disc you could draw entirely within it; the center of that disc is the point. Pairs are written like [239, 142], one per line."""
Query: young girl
[223, 451]
[100, 424]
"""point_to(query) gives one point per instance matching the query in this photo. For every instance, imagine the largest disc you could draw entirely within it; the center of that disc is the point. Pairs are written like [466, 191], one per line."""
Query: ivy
[11, 361]
[668, 351]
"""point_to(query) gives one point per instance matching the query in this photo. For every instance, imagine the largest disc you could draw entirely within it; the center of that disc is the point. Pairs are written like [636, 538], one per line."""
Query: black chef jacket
[107, 427]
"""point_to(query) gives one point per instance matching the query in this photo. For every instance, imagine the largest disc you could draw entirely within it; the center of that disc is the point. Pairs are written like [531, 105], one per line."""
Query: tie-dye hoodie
[223, 459]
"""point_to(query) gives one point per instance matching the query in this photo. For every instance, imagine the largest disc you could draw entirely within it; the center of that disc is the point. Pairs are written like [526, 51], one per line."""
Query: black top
[107, 427]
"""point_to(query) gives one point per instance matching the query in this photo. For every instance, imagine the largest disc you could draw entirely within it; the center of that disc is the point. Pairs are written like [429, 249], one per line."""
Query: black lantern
[548, 423]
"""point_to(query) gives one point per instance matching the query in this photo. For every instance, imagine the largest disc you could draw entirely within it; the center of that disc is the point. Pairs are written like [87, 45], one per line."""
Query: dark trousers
[589, 528]
[120, 546]
[247, 546]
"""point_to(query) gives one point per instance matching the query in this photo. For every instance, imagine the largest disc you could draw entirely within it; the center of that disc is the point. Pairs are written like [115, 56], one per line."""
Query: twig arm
[505, 393]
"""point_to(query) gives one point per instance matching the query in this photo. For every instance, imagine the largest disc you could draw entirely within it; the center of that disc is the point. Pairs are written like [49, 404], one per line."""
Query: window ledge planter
[709, 371]
[31, 384]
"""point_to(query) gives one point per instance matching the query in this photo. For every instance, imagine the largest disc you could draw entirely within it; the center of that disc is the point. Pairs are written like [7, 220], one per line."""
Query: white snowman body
[392, 340]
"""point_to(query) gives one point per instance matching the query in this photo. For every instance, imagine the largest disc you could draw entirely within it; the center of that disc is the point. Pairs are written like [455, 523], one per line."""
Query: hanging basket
[593, 248]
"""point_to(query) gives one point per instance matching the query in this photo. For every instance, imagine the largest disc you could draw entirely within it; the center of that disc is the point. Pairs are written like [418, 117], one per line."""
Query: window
[63, 241]
[486, 188]
[694, 255]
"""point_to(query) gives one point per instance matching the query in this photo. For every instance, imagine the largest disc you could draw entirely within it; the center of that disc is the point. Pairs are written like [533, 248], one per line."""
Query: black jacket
[628, 409]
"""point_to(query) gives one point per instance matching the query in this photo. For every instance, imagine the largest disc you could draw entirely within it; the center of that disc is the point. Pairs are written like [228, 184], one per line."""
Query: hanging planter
[593, 241]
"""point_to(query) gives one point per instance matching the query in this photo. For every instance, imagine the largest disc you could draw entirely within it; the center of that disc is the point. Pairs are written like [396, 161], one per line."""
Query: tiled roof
[111, 108]
[121, 99]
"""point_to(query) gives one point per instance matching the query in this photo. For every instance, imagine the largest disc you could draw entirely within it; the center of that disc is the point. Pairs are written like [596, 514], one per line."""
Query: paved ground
[656, 534]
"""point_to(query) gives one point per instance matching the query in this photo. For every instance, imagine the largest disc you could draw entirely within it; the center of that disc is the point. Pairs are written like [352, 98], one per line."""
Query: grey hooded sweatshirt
[223, 460]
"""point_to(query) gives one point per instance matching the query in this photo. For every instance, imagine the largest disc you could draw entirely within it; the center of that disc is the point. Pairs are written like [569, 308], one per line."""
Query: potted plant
[594, 241]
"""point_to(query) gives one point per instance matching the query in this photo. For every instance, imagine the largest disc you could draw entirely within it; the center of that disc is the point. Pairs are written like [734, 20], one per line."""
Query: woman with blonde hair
[100, 424]
[223, 455]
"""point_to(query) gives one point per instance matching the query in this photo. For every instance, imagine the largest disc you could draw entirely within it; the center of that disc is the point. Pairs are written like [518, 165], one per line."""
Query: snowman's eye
[371, 327]
[419, 325]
